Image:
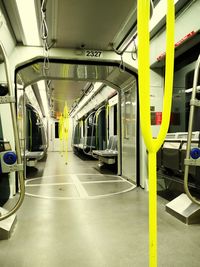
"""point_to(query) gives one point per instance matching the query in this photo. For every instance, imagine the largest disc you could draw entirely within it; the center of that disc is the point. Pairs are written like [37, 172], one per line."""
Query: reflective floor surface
[85, 230]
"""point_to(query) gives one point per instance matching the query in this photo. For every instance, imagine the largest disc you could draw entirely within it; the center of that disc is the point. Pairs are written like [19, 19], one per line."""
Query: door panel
[129, 142]
[54, 143]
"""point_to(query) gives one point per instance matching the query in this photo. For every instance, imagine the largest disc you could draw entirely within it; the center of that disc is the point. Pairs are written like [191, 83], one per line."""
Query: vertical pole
[119, 133]
[152, 210]
[144, 96]
[16, 137]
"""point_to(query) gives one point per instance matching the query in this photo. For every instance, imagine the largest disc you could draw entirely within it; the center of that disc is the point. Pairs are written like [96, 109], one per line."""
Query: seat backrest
[110, 142]
[114, 144]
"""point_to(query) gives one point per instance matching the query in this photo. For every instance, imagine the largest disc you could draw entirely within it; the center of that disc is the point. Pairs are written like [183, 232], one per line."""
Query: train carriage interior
[97, 168]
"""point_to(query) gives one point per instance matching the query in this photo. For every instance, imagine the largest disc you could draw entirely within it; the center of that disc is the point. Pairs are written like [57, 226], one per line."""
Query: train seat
[32, 157]
[86, 142]
[110, 154]
[171, 155]
[81, 144]
[193, 171]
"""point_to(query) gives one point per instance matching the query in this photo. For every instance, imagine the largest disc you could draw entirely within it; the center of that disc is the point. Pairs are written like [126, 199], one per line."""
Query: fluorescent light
[27, 13]
[43, 95]
[159, 13]
[32, 99]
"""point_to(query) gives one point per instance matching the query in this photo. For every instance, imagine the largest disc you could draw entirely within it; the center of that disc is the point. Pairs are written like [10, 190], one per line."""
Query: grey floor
[103, 232]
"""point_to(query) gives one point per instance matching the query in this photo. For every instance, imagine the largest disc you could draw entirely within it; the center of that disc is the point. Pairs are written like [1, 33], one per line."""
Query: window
[56, 129]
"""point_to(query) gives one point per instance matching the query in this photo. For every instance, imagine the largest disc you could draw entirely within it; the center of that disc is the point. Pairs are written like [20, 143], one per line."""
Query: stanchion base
[184, 209]
[7, 225]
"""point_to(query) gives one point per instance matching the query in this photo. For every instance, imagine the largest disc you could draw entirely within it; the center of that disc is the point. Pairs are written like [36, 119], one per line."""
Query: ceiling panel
[68, 85]
[89, 23]
[65, 92]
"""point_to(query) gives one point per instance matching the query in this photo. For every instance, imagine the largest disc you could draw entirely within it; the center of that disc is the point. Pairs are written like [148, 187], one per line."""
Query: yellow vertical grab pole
[61, 133]
[144, 100]
[66, 129]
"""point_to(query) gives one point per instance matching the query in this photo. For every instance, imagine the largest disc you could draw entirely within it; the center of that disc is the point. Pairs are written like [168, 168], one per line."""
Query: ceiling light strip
[27, 14]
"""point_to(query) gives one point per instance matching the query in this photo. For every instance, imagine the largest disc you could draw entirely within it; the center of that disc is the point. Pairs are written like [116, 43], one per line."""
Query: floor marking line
[50, 184]
[82, 198]
[69, 174]
[81, 190]
[48, 197]
[132, 183]
[106, 181]
[82, 182]
[113, 194]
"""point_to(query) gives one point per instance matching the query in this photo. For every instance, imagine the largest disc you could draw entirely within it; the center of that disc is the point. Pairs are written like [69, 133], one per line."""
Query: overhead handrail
[190, 127]
[16, 137]
[144, 100]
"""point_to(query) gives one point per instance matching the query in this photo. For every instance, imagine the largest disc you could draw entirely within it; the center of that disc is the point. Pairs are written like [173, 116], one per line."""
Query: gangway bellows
[18, 167]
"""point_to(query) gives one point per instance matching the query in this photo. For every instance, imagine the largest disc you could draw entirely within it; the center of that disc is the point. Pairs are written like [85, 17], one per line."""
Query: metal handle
[190, 126]
[16, 137]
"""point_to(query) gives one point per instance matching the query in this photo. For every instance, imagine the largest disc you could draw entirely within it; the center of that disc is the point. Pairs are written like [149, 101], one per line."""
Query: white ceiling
[90, 24]
[65, 92]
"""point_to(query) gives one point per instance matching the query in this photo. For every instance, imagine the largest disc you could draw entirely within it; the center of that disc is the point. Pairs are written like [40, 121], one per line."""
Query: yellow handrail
[60, 132]
[153, 145]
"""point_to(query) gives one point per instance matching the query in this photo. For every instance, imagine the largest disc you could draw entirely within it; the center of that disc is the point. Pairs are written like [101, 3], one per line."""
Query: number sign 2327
[93, 53]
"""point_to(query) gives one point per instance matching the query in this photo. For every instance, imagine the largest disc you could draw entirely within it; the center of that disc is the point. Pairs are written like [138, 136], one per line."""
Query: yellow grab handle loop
[153, 145]
[144, 76]
[143, 70]
[169, 73]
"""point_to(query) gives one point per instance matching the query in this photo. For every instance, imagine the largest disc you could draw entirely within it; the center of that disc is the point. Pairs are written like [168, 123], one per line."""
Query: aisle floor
[110, 231]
